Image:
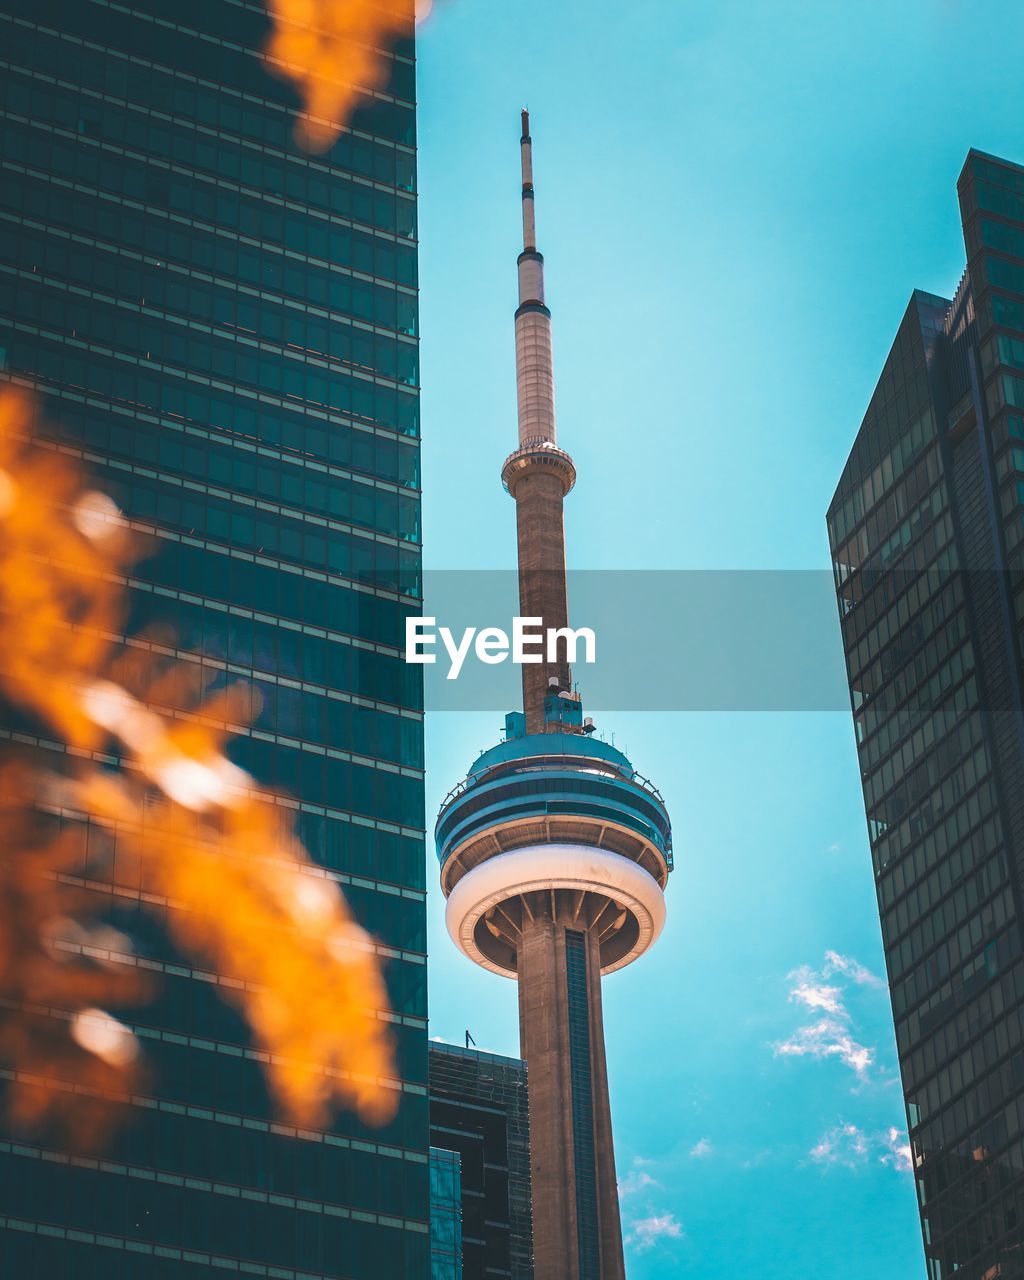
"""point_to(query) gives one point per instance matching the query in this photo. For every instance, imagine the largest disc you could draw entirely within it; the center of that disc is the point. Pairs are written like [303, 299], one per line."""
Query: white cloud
[844, 1144]
[853, 969]
[897, 1151]
[648, 1232]
[644, 1232]
[815, 995]
[828, 1038]
[637, 1179]
[847, 1145]
[830, 1035]
[702, 1149]
[634, 1181]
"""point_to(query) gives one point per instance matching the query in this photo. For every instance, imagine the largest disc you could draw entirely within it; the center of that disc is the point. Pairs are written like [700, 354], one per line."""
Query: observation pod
[556, 816]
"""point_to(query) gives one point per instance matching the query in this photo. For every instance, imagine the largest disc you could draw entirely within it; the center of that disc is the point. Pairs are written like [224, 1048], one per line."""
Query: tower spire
[535, 375]
[538, 475]
[529, 220]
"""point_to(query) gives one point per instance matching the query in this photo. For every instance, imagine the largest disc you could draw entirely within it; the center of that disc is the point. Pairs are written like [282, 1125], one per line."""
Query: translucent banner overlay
[685, 640]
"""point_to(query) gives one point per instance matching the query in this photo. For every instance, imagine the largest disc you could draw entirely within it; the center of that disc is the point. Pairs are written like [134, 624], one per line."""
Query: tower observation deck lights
[554, 853]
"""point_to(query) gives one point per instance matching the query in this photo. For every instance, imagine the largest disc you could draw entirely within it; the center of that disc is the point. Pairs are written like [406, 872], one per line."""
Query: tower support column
[576, 1227]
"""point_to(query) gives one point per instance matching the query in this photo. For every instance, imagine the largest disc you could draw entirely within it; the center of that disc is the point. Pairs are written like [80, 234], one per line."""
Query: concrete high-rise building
[554, 852]
[223, 327]
[478, 1113]
[927, 536]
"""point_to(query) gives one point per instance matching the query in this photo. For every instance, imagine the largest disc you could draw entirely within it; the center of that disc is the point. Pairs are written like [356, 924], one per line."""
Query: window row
[281, 650]
[353, 788]
[912, 549]
[929, 752]
[299, 547]
[165, 88]
[114, 143]
[886, 515]
[887, 589]
[913, 691]
[955, 1114]
[909, 660]
[891, 841]
[146, 272]
[196, 1220]
[978, 859]
[207, 58]
[244, 208]
[135, 328]
[927, 931]
[302, 491]
[901, 627]
[171, 390]
[953, 974]
[949, 1038]
[167, 445]
[876, 484]
[263, 704]
[394, 919]
[286, 534]
[893, 535]
[958, 780]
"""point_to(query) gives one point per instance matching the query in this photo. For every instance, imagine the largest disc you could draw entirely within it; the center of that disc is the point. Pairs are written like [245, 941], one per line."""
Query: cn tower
[554, 852]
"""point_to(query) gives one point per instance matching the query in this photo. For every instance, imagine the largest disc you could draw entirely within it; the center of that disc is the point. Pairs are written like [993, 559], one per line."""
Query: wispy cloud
[828, 1038]
[701, 1150]
[815, 995]
[634, 1181]
[844, 1144]
[849, 1146]
[852, 969]
[830, 1035]
[637, 1179]
[646, 1223]
[648, 1232]
[897, 1151]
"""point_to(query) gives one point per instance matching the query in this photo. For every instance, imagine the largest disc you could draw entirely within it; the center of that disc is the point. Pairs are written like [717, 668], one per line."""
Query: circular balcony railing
[534, 453]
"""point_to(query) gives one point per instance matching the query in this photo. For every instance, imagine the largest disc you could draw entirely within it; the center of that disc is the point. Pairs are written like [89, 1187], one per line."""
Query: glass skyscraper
[927, 537]
[224, 329]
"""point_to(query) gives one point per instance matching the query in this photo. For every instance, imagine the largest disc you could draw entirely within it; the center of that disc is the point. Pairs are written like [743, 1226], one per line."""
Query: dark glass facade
[224, 329]
[445, 1214]
[927, 537]
[478, 1109]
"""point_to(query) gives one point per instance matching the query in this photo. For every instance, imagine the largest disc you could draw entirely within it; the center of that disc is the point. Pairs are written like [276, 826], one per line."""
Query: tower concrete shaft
[576, 1230]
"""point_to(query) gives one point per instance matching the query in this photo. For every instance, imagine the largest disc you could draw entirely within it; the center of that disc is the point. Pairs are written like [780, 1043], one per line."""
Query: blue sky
[735, 200]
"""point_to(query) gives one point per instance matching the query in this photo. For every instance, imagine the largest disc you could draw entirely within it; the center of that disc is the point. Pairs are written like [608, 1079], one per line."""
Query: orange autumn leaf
[234, 887]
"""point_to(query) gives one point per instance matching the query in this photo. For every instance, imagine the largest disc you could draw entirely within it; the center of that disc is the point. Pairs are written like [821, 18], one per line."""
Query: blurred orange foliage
[334, 51]
[236, 888]
[42, 995]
